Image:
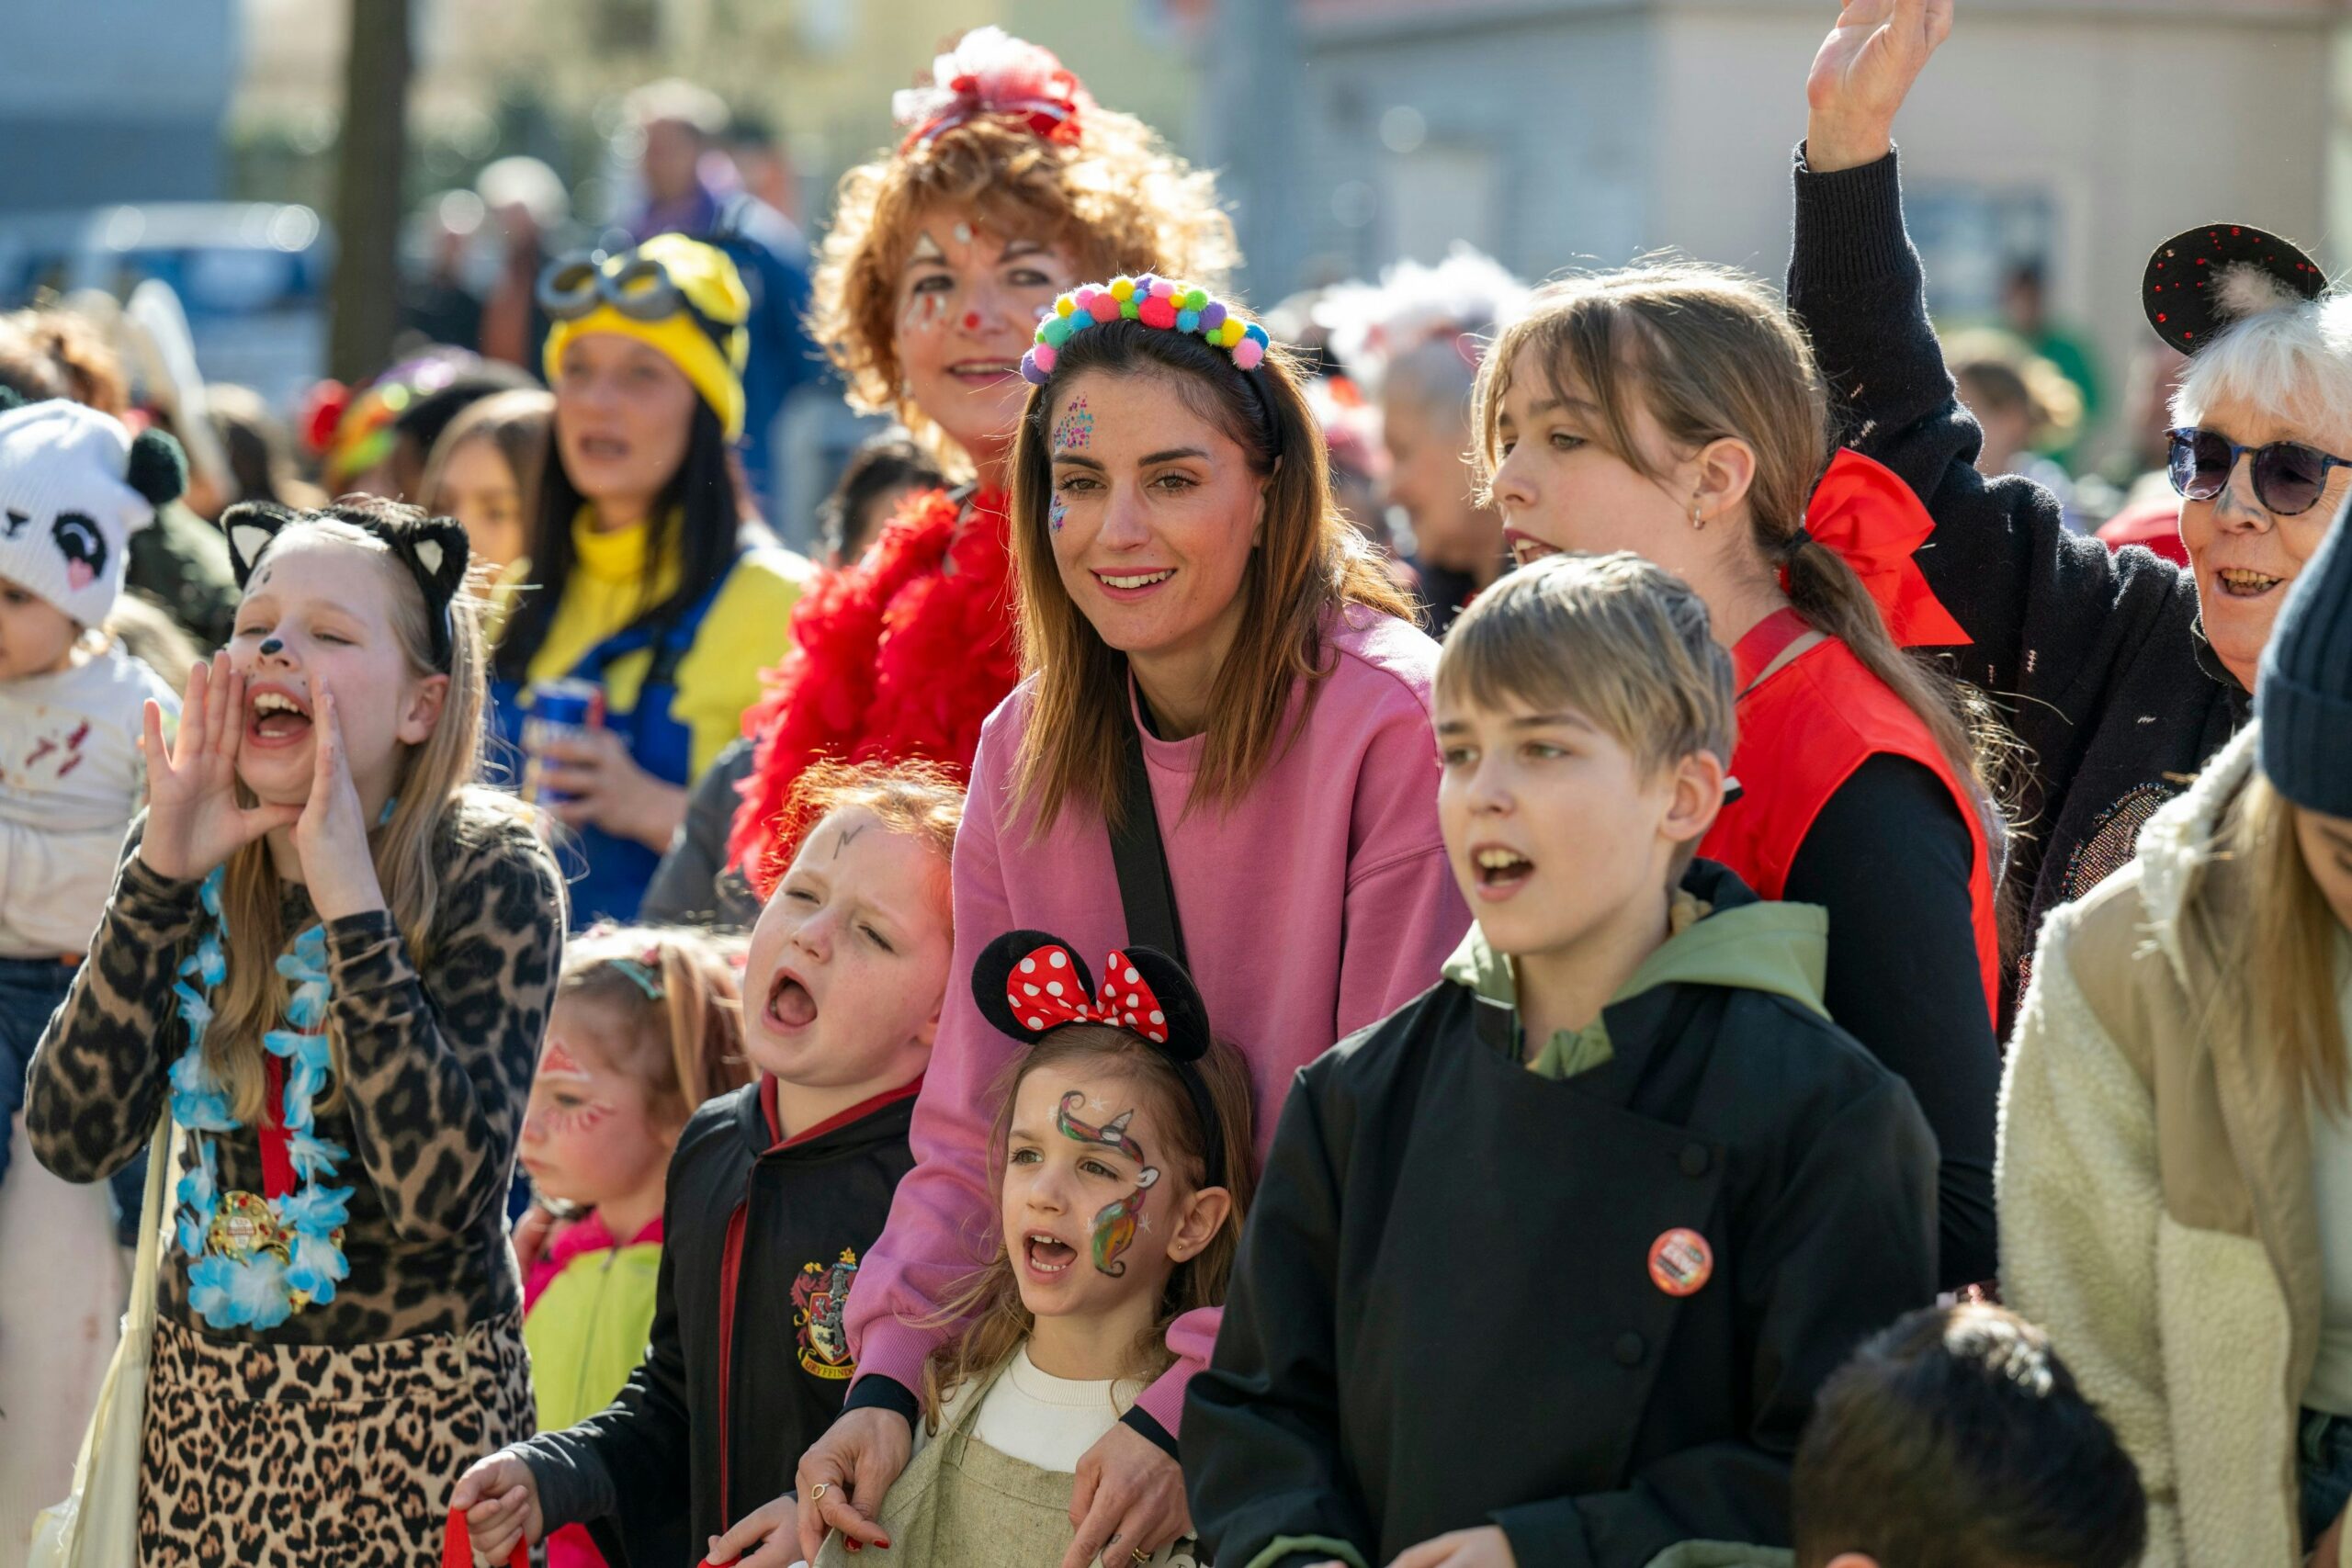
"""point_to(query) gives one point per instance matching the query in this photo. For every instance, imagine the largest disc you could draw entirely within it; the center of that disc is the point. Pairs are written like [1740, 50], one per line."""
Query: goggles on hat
[2288, 477]
[639, 288]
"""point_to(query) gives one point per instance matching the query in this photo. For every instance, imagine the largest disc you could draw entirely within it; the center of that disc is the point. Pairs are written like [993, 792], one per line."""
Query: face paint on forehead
[1074, 432]
[963, 232]
[560, 1063]
[927, 249]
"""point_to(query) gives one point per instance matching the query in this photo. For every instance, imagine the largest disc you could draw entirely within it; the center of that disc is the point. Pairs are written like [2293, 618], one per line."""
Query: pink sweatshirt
[1319, 904]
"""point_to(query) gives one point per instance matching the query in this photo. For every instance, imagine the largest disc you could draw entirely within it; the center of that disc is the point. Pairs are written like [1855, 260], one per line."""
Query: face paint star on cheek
[1115, 1226]
[1074, 432]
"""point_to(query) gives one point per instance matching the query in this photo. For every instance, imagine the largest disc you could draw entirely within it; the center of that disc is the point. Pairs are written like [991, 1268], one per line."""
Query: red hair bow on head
[1865, 513]
[1046, 990]
[990, 72]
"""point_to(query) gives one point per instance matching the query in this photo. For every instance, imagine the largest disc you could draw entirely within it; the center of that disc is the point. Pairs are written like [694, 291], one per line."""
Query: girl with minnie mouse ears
[1124, 1164]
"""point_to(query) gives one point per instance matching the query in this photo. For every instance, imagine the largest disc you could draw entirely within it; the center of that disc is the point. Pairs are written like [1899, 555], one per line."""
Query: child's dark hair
[884, 463]
[988, 1306]
[675, 1002]
[1957, 1439]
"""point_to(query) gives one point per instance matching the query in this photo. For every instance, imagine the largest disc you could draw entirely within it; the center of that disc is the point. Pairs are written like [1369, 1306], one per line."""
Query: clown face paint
[1115, 1226]
[1074, 432]
[967, 305]
[924, 314]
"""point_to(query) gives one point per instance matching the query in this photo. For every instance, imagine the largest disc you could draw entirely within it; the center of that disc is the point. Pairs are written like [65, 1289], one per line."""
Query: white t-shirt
[2330, 1388]
[70, 778]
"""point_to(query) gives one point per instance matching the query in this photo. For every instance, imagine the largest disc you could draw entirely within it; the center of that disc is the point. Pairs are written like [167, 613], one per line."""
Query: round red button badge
[1681, 1262]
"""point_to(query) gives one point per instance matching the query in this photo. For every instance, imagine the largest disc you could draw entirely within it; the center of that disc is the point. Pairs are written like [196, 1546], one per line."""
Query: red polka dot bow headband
[1030, 983]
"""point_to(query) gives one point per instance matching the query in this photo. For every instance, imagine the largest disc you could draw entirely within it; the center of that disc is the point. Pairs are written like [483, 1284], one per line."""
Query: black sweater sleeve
[1889, 857]
[1261, 1440]
[2057, 623]
[626, 1471]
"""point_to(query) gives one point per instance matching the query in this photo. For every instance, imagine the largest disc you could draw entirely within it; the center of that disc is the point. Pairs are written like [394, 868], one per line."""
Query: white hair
[1373, 324]
[2290, 357]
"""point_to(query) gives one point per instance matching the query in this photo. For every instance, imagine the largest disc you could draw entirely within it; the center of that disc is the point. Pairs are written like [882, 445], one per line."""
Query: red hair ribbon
[457, 1545]
[1865, 513]
[1044, 992]
[991, 73]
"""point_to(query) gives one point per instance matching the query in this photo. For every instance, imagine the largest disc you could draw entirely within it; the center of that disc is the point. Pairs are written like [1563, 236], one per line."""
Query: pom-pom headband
[1156, 302]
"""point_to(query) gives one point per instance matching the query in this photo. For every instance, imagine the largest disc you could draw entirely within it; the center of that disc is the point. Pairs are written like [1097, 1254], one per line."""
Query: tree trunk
[368, 164]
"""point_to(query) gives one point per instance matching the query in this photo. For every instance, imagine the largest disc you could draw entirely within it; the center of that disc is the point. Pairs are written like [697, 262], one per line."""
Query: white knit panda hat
[74, 485]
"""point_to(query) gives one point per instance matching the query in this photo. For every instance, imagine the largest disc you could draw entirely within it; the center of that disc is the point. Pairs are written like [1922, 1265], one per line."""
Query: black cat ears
[433, 548]
[2202, 279]
[157, 470]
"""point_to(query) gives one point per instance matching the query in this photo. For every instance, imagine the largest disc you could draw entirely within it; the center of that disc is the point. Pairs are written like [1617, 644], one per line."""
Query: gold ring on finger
[817, 1493]
[1140, 1555]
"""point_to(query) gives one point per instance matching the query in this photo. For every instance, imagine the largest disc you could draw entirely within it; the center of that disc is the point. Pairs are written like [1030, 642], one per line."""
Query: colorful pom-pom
[1083, 298]
[1188, 320]
[1162, 289]
[1129, 307]
[1145, 283]
[1065, 305]
[1213, 315]
[1054, 334]
[1255, 334]
[1247, 353]
[1157, 311]
[1039, 364]
[1122, 289]
[1103, 308]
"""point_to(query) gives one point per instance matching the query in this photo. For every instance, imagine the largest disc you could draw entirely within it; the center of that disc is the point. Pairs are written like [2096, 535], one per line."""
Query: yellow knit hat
[714, 291]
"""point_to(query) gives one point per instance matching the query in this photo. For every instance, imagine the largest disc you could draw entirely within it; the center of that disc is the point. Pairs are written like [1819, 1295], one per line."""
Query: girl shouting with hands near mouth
[328, 958]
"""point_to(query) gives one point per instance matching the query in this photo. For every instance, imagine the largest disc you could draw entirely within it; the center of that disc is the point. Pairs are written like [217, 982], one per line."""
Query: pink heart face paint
[1115, 1226]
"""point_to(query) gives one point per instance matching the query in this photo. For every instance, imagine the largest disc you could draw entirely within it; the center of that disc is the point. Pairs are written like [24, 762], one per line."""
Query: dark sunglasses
[639, 288]
[2287, 475]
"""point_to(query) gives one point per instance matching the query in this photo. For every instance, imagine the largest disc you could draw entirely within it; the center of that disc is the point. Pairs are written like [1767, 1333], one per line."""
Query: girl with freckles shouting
[1222, 679]
[328, 960]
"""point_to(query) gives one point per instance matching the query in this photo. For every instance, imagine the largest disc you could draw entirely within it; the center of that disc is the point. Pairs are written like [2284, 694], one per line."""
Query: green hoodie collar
[1777, 948]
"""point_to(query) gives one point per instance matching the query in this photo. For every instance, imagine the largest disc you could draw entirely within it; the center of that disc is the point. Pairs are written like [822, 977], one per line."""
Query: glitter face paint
[1074, 432]
[1056, 513]
[1115, 1226]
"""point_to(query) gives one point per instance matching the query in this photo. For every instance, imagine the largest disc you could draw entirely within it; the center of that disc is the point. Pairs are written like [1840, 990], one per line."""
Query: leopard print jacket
[439, 1064]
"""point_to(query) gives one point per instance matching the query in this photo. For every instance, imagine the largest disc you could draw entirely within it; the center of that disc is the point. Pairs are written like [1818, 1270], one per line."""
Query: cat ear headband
[434, 549]
[1030, 983]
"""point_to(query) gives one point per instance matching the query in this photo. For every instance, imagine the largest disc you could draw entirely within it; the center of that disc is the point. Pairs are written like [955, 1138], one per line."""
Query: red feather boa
[903, 654]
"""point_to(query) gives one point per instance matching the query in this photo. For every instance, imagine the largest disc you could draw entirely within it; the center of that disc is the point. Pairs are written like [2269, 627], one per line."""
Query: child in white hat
[74, 485]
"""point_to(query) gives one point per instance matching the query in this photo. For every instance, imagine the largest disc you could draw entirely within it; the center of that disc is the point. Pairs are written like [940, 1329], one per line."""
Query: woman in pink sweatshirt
[1185, 583]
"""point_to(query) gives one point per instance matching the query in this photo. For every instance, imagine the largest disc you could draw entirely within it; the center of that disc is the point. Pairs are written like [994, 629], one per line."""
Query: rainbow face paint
[1115, 1226]
[1074, 432]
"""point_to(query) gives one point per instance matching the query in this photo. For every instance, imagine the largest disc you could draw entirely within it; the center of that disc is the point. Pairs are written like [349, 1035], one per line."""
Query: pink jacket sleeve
[1404, 919]
[943, 1217]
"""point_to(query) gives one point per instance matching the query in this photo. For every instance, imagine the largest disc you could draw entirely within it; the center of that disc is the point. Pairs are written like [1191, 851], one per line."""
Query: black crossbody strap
[1146, 892]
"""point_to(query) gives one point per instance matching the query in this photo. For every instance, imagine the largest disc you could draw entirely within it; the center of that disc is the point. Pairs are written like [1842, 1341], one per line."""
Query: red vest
[1803, 732]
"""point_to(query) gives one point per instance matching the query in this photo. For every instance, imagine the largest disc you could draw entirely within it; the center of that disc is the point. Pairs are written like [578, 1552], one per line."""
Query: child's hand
[1862, 75]
[193, 820]
[501, 1497]
[1485, 1547]
[530, 1237]
[610, 791]
[1129, 1499]
[845, 1473]
[773, 1528]
[331, 835]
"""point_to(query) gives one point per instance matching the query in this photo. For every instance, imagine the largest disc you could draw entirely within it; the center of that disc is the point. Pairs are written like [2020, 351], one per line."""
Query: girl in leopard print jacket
[339, 1314]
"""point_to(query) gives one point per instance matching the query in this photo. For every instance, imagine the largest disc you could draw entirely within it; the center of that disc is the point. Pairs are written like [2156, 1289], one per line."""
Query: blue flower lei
[276, 1256]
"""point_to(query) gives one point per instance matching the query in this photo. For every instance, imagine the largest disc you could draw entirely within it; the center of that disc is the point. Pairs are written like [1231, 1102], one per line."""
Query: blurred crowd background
[327, 186]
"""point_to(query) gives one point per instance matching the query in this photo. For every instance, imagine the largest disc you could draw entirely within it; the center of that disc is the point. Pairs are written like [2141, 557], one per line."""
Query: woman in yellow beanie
[648, 577]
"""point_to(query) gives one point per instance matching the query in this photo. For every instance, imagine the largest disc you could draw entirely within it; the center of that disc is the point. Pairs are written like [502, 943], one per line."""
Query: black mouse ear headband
[434, 549]
[2190, 295]
[1030, 983]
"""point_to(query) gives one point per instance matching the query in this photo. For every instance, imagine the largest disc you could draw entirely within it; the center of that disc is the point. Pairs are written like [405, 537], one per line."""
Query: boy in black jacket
[775, 1193]
[1546, 1267]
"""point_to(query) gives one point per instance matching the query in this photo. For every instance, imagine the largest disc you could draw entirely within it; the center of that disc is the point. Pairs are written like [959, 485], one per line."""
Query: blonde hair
[1117, 199]
[1710, 355]
[686, 1046]
[1309, 564]
[2280, 950]
[436, 792]
[988, 1303]
[1620, 640]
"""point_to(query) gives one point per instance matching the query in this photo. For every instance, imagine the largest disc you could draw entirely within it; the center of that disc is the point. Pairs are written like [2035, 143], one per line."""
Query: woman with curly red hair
[1011, 185]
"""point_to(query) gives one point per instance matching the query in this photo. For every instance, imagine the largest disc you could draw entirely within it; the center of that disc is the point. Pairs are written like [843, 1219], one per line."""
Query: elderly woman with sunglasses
[648, 579]
[2120, 675]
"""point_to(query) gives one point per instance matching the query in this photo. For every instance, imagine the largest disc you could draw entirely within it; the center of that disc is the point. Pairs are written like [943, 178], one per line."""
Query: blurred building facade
[114, 100]
[1558, 134]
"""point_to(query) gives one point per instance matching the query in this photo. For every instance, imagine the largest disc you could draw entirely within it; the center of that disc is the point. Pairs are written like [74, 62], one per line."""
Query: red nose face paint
[971, 320]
